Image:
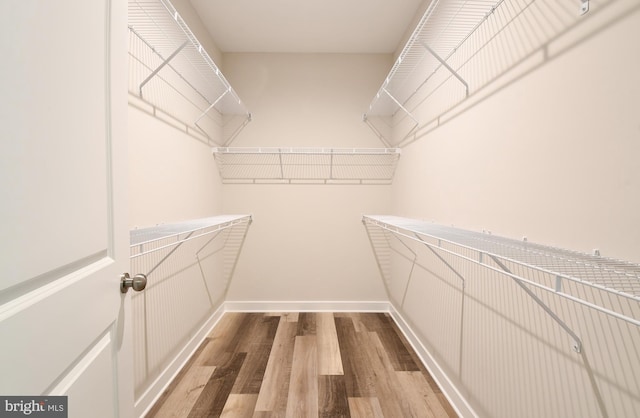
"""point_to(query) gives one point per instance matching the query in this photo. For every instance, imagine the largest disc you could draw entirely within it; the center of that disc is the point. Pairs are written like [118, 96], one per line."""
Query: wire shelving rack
[564, 273]
[445, 25]
[168, 64]
[146, 240]
[307, 165]
[193, 260]
[450, 42]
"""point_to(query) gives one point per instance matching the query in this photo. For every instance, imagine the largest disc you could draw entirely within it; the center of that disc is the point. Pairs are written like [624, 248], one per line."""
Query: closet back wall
[306, 242]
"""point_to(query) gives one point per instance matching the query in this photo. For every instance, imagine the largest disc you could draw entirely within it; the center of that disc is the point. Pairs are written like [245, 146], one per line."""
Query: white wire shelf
[562, 272]
[445, 25]
[458, 47]
[189, 266]
[146, 240]
[169, 65]
[306, 165]
[441, 30]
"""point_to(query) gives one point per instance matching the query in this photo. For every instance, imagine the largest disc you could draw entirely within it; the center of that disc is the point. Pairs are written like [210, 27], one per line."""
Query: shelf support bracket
[161, 66]
[413, 265]
[385, 279]
[173, 250]
[400, 106]
[584, 6]
[211, 106]
[577, 343]
[331, 165]
[441, 259]
[375, 130]
[235, 133]
[237, 257]
[380, 135]
[448, 67]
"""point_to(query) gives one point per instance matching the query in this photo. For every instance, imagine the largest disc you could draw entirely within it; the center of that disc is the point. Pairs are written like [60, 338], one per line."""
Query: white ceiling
[307, 26]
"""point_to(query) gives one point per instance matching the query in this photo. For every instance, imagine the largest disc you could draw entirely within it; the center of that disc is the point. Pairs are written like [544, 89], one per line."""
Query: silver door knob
[138, 283]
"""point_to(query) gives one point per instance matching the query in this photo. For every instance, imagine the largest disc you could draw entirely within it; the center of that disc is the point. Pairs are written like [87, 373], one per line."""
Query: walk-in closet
[250, 209]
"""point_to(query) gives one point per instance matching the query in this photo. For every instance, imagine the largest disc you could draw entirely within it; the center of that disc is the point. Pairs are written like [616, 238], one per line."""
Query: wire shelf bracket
[445, 65]
[577, 343]
[615, 277]
[211, 106]
[161, 66]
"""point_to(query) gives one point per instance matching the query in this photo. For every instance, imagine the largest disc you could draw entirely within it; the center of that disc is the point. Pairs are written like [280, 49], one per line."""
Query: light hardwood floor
[303, 365]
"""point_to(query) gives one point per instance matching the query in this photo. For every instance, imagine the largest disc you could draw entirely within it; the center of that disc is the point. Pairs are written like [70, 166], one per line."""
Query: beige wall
[551, 156]
[548, 151]
[172, 175]
[314, 100]
[306, 242]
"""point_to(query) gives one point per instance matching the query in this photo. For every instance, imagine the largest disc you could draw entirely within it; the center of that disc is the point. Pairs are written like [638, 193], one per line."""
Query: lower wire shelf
[189, 266]
[533, 267]
[146, 240]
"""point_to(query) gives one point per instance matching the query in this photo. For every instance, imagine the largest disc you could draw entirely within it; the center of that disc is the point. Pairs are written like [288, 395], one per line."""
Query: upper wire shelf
[306, 165]
[439, 33]
[445, 25]
[548, 268]
[169, 64]
[457, 48]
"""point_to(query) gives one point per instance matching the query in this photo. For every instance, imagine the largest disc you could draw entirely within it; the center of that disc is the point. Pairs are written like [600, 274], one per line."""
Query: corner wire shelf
[450, 34]
[168, 64]
[364, 166]
[530, 265]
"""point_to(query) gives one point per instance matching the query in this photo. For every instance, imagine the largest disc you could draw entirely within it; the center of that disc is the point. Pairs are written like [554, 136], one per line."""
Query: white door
[64, 235]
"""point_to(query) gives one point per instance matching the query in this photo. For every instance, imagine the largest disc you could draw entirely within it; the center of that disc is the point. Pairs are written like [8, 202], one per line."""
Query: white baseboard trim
[306, 306]
[155, 390]
[450, 391]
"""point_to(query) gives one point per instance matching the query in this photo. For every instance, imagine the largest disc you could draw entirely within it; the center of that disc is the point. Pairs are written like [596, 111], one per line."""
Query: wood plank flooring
[304, 365]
